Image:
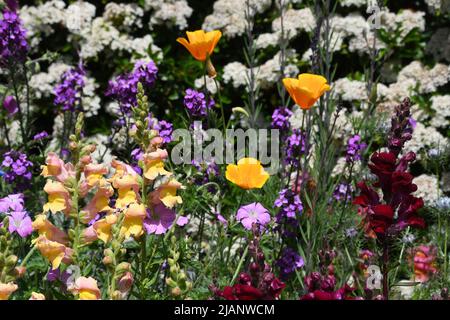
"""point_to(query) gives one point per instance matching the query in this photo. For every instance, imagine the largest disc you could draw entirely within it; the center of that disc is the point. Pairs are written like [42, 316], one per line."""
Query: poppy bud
[210, 69]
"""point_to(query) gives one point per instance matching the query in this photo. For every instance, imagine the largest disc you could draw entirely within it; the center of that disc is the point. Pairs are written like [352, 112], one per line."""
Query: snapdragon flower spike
[401, 127]
[13, 37]
[398, 208]
[68, 92]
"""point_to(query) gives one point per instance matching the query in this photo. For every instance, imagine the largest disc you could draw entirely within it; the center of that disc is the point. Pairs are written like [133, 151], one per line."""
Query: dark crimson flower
[241, 292]
[395, 183]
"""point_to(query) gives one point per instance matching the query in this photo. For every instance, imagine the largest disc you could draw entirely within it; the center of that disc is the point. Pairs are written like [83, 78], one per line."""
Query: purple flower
[123, 89]
[196, 103]
[355, 148]
[10, 104]
[289, 262]
[20, 222]
[253, 213]
[295, 146]
[280, 118]
[136, 156]
[16, 167]
[343, 190]
[182, 221]
[165, 130]
[40, 136]
[13, 202]
[159, 220]
[13, 38]
[289, 203]
[68, 92]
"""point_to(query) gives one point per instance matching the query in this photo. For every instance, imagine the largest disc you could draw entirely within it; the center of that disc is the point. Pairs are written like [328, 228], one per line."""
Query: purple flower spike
[68, 92]
[196, 104]
[355, 148]
[13, 37]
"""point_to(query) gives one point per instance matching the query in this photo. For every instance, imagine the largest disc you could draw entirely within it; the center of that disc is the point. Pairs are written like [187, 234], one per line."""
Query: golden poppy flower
[201, 44]
[307, 89]
[247, 174]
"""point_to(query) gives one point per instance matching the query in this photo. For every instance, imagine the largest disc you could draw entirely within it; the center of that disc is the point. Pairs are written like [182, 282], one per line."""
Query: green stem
[241, 261]
[28, 256]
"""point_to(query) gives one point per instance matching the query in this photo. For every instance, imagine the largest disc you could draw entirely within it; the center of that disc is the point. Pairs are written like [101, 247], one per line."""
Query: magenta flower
[159, 220]
[20, 222]
[253, 213]
[10, 104]
[182, 221]
[13, 202]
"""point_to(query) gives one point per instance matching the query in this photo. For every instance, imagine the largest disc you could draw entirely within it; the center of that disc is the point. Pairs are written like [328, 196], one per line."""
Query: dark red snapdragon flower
[269, 288]
[398, 207]
[260, 283]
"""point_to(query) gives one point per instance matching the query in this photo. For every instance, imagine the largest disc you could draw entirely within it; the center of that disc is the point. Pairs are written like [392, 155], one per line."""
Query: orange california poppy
[307, 89]
[247, 174]
[201, 44]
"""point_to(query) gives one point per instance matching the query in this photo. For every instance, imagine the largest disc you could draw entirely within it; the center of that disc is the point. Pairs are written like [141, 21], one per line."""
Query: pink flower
[10, 105]
[159, 220]
[253, 213]
[20, 222]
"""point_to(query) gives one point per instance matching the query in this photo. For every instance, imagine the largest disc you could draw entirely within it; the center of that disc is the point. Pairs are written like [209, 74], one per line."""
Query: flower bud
[210, 69]
[176, 292]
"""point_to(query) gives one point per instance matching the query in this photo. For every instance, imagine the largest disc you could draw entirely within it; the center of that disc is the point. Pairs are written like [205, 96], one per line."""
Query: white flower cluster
[427, 188]
[441, 107]
[425, 138]
[124, 15]
[294, 22]
[79, 16]
[229, 15]
[169, 12]
[266, 74]
[43, 84]
[356, 3]
[95, 34]
[39, 20]
[415, 75]
[210, 84]
[103, 35]
[410, 20]
[350, 90]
